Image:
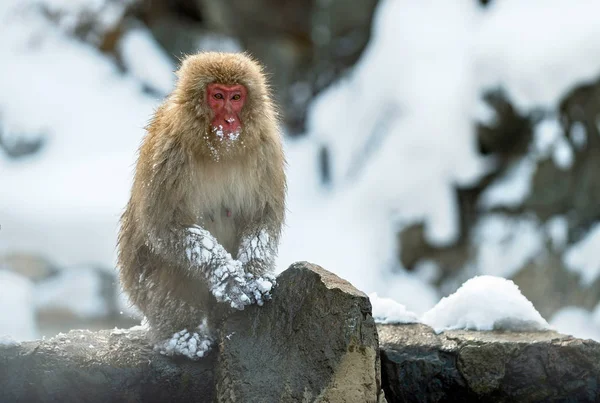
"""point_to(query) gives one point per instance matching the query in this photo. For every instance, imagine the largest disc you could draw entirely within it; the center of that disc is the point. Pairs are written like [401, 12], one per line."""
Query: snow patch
[511, 189]
[562, 49]
[64, 203]
[506, 244]
[583, 257]
[557, 230]
[193, 344]
[147, 61]
[576, 322]
[386, 310]
[17, 311]
[8, 341]
[485, 303]
[78, 290]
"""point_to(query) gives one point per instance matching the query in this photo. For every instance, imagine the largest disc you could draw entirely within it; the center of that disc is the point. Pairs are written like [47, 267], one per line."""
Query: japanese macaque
[200, 232]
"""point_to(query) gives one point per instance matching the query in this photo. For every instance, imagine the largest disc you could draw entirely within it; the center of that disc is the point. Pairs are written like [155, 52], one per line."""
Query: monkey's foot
[228, 284]
[259, 287]
[193, 345]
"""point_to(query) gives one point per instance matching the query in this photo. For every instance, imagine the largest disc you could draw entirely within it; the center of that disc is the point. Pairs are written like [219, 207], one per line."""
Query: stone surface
[316, 341]
[461, 366]
[106, 366]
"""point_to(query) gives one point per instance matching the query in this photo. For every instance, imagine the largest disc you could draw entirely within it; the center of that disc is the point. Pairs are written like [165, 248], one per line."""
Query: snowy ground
[400, 131]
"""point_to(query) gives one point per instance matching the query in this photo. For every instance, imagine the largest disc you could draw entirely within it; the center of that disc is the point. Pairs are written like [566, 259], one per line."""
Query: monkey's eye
[236, 97]
[218, 96]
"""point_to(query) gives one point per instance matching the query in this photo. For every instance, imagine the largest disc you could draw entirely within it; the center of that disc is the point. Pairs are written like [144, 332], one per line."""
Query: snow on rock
[557, 230]
[549, 141]
[545, 135]
[562, 154]
[147, 61]
[64, 203]
[8, 341]
[560, 43]
[583, 257]
[485, 303]
[406, 137]
[577, 322]
[17, 310]
[579, 135]
[512, 188]
[193, 343]
[505, 244]
[410, 290]
[70, 14]
[386, 310]
[411, 133]
[78, 290]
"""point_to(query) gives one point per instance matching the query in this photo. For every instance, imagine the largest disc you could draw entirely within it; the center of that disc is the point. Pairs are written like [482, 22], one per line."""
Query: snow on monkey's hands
[229, 285]
[259, 287]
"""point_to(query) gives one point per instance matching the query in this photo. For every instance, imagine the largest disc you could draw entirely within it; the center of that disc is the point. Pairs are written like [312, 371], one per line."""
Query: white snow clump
[485, 303]
[386, 310]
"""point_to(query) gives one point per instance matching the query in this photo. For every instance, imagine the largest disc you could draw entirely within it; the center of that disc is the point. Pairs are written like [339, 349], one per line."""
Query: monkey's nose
[230, 120]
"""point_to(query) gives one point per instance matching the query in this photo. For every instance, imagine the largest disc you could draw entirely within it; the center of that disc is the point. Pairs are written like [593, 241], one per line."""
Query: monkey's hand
[228, 284]
[259, 287]
[225, 276]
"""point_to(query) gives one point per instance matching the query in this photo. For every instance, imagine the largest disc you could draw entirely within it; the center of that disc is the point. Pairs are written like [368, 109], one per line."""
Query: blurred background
[428, 141]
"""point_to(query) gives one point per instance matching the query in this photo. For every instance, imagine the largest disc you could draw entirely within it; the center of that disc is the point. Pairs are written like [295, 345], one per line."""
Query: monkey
[200, 232]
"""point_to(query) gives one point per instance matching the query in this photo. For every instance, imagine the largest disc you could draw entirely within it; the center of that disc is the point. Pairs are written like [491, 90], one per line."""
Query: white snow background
[399, 128]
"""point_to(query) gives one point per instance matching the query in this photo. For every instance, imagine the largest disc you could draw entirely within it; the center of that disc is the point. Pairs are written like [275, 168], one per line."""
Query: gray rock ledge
[464, 366]
[315, 341]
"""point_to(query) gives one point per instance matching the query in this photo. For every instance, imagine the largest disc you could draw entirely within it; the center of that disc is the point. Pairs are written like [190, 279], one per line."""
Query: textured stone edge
[487, 366]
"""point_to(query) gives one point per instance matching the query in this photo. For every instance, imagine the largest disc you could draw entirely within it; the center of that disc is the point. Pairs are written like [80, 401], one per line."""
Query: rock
[567, 192]
[316, 341]
[107, 366]
[462, 366]
[550, 286]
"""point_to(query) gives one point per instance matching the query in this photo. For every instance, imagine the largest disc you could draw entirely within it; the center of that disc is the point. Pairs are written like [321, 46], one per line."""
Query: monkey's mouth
[224, 134]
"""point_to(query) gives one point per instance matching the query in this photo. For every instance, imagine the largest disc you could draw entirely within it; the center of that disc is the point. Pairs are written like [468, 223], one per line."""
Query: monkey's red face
[226, 102]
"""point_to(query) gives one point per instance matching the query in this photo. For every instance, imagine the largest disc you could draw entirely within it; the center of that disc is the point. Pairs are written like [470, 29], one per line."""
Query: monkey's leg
[193, 343]
[257, 255]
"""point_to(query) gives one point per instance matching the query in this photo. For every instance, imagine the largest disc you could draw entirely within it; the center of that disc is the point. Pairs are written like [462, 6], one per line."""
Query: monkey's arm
[224, 275]
[260, 241]
[257, 256]
[257, 251]
[198, 253]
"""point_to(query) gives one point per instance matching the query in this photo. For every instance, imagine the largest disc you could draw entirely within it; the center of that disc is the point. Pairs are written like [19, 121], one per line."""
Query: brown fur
[185, 177]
